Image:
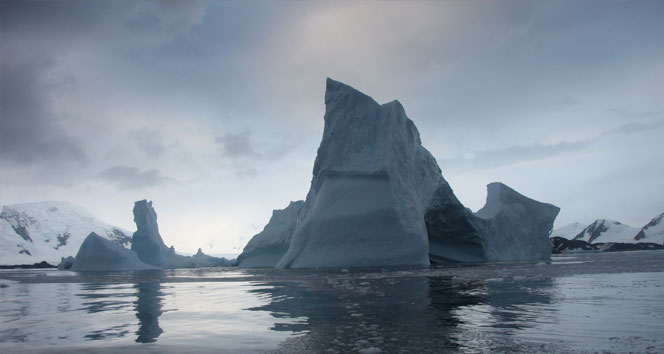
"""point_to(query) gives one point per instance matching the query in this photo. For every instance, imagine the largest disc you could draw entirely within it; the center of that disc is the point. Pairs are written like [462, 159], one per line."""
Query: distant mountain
[47, 231]
[652, 231]
[568, 231]
[604, 230]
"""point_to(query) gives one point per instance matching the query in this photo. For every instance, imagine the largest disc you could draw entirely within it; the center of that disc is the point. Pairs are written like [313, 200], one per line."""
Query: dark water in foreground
[577, 303]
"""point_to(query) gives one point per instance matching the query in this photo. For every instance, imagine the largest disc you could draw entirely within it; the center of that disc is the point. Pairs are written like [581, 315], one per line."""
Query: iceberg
[515, 227]
[372, 183]
[99, 254]
[510, 227]
[267, 247]
[378, 198]
[146, 241]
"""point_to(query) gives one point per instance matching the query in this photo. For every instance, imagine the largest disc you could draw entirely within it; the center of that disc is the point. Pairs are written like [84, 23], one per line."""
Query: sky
[214, 110]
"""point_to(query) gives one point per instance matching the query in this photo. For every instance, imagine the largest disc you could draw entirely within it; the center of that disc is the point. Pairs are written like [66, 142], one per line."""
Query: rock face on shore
[99, 254]
[378, 198]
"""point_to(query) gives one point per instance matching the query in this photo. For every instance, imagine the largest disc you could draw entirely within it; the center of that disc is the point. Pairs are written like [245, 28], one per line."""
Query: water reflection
[148, 310]
[422, 313]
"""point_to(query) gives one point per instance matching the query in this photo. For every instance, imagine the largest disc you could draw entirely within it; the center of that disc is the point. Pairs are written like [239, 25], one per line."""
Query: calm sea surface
[595, 302]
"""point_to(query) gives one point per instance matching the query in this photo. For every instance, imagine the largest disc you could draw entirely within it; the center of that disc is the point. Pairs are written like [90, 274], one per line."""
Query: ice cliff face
[99, 254]
[266, 248]
[652, 231]
[509, 227]
[147, 242]
[47, 231]
[378, 198]
[372, 183]
[515, 227]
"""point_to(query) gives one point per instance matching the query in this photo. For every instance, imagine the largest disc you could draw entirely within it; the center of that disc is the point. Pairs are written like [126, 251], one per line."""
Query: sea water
[588, 302]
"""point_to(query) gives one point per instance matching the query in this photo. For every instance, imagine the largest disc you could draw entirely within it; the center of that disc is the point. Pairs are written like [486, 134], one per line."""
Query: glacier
[378, 198]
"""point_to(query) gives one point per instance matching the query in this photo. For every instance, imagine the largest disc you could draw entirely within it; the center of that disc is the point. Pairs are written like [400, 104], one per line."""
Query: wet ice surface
[577, 303]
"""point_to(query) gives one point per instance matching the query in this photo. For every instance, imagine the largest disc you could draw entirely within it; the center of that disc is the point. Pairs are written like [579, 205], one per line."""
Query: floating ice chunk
[99, 254]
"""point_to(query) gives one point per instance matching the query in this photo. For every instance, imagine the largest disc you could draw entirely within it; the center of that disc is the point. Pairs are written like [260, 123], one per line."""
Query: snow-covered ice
[569, 231]
[652, 231]
[604, 230]
[47, 231]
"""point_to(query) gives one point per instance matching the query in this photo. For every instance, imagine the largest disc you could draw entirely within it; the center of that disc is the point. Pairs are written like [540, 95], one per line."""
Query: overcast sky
[215, 110]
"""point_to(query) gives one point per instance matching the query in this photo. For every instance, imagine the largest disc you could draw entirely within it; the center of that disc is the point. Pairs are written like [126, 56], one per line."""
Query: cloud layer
[214, 109]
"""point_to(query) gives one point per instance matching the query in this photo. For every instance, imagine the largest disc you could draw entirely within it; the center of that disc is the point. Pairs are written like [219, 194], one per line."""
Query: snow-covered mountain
[47, 231]
[652, 231]
[568, 231]
[604, 230]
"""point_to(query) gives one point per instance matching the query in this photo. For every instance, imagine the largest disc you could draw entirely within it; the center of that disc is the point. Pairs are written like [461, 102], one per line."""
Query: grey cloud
[149, 141]
[631, 128]
[126, 177]
[237, 145]
[486, 159]
[492, 158]
[246, 173]
[29, 131]
[143, 22]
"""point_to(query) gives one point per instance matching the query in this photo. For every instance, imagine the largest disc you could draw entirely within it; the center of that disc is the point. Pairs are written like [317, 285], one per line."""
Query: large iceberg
[99, 254]
[266, 248]
[372, 183]
[378, 198]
